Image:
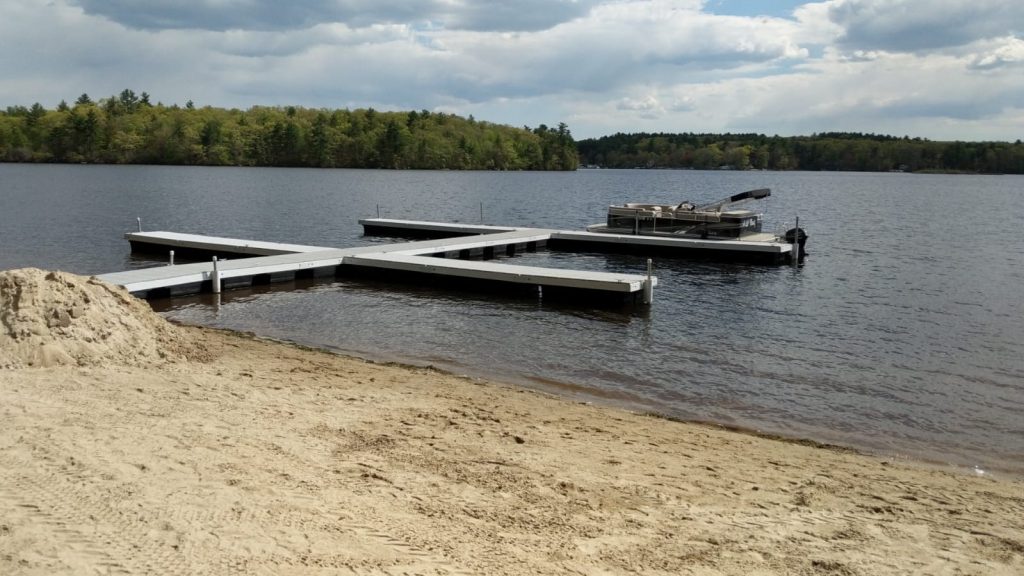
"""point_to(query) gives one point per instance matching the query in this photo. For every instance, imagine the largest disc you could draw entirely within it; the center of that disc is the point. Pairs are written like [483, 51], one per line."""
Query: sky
[937, 69]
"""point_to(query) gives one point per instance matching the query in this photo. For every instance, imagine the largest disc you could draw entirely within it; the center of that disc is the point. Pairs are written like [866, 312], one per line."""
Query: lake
[901, 335]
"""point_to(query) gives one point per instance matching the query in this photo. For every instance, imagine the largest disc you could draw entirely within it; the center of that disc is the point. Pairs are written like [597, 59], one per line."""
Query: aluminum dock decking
[189, 244]
[446, 256]
[446, 259]
[759, 249]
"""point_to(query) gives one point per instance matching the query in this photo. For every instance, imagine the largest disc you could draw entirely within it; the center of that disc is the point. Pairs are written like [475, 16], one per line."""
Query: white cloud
[899, 94]
[601, 66]
[1004, 52]
[647, 107]
[862, 56]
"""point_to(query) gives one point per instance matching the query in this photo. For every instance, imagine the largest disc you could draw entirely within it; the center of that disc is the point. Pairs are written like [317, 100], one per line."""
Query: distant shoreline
[579, 169]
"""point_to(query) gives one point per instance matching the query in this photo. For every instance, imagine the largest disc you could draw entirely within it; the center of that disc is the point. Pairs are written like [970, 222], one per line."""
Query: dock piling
[649, 283]
[138, 220]
[171, 260]
[796, 243]
[215, 278]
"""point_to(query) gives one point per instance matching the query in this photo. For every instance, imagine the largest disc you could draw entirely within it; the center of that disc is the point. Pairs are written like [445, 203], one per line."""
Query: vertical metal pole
[378, 210]
[481, 212]
[139, 221]
[216, 277]
[796, 242]
[172, 258]
[649, 284]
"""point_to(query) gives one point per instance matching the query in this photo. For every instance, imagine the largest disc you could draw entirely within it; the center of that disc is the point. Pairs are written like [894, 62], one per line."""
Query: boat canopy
[717, 206]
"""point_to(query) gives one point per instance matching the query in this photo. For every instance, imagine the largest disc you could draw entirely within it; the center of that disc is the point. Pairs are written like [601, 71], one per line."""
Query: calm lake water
[902, 334]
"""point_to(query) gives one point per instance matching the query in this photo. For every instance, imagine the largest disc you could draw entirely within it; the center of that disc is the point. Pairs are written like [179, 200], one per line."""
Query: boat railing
[650, 212]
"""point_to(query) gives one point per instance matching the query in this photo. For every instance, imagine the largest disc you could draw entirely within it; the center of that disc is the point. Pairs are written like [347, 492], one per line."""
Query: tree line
[129, 129]
[826, 151]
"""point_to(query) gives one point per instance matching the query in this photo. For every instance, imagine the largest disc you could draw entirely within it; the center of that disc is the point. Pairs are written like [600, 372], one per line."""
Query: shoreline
[272, 456]
[574, 392]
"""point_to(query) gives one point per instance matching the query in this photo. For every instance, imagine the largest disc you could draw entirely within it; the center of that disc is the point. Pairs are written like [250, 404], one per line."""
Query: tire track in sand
[88, 534]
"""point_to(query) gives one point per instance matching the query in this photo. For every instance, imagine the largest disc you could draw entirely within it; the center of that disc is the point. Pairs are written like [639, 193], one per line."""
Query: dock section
[760, 251]
[762, 248]
[163, 281]
[421, 229]
[486, 246]
[548, 280]
[194, 245]
[450, 261]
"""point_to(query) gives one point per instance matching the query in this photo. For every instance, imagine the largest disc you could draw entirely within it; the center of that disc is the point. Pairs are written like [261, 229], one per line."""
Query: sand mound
[50, 318]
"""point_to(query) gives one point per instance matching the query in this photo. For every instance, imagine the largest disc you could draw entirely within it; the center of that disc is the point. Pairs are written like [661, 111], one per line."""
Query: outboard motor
[801, 239]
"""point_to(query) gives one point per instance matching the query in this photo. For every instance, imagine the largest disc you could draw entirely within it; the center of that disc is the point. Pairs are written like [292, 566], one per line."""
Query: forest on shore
[129, 129]
[827, 151]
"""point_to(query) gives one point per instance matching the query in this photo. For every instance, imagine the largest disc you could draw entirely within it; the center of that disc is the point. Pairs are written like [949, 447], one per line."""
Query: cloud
[616, 44]
[934, 97]
[1006, 53]
[278, 43]
[862, 56]
[594, 49]
[648, 107]
[222, 15]
[602, 66]
[520, 15]
[921, 25]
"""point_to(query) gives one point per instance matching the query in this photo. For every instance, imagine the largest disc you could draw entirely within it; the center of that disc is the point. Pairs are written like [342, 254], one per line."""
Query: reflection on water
[895, 336]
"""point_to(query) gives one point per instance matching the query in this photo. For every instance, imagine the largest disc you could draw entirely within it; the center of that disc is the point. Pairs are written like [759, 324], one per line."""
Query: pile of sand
[51, 318]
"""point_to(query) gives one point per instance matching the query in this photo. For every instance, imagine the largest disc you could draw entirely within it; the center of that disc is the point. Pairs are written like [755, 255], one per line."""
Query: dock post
[481, 212]
[378, 210]
[139, 221]
[215, 278]
[796, 242]
[649, 284]
[171, 258]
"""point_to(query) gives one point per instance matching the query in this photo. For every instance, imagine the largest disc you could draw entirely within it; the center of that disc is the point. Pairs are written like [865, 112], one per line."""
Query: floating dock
[763, 250]
[191, 245]
[420, 229]
[452, 253]
[760, 248]
[240, 263]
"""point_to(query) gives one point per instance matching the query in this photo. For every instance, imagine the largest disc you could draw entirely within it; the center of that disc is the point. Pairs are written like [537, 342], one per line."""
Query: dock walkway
[445, 251]
[760, 248]
[448, 259]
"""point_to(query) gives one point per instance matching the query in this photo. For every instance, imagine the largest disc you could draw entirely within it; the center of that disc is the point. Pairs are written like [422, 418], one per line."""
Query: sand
[227, 454]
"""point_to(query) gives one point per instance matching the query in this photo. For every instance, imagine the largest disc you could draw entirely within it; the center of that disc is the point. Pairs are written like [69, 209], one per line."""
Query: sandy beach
[132, 446]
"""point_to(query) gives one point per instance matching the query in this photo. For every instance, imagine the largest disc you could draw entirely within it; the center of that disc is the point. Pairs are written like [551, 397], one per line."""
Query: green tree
[390, 146]
[320, 142]
[128, 100]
